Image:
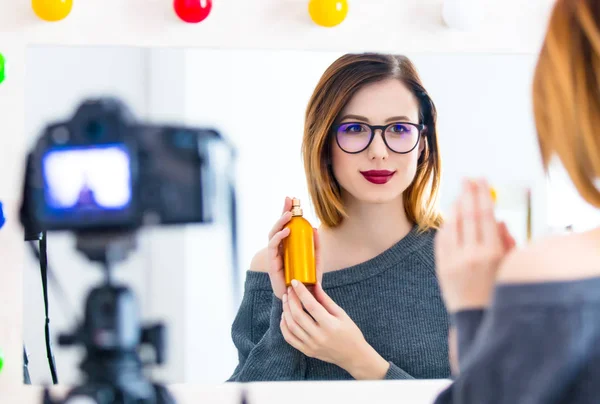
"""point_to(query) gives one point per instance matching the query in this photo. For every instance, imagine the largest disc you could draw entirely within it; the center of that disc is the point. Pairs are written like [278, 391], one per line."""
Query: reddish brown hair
[566, 93]
[338, 84]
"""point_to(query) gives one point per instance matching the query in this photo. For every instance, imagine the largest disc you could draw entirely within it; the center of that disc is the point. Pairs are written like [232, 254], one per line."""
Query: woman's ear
[422, 145]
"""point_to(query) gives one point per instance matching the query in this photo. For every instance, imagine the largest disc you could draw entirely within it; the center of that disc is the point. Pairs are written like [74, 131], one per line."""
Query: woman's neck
[369, 230]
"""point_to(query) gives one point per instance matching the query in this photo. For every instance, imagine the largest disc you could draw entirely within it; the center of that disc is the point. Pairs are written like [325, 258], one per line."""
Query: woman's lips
[378, 176]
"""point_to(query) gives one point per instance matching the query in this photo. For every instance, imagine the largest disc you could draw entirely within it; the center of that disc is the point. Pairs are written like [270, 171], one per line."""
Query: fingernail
[284, 297]
[294, 283]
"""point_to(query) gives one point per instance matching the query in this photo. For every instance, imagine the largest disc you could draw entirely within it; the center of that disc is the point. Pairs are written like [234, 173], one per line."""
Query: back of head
[338, 84]
[566, 94]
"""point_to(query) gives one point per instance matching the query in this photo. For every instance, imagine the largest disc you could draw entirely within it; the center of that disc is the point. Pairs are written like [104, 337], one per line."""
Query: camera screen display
[87, 179]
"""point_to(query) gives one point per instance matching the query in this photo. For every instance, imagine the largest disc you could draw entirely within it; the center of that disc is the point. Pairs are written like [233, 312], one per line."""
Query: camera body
[102, 171]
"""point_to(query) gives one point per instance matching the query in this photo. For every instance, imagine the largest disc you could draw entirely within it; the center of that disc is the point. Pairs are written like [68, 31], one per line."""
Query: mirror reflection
[344, 167]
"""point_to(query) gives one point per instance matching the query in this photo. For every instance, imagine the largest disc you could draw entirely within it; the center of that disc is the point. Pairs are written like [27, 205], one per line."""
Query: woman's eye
[354, 128]
[399, 128]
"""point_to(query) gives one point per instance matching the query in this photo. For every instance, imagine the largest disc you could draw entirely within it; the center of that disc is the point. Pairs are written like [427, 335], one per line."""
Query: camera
[103, 175]
[102, 170]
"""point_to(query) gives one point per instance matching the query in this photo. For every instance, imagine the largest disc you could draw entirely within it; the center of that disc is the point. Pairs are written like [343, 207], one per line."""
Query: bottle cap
[296, 209]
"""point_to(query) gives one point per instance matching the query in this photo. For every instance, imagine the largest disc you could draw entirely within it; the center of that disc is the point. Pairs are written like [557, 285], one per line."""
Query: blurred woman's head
[370, 137]
[566, 94]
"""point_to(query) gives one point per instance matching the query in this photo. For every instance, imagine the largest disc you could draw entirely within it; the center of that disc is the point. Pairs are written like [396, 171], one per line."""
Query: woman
[371, 159]
[528, 321]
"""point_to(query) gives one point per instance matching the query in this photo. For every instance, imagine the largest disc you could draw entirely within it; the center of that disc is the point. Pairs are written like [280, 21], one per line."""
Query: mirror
[258, 99]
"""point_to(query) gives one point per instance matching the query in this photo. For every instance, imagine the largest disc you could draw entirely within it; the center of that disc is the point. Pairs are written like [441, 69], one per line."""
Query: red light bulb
[192, 11]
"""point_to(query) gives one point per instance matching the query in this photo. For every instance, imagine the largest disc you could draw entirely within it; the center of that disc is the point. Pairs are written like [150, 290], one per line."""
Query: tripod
[112, 333]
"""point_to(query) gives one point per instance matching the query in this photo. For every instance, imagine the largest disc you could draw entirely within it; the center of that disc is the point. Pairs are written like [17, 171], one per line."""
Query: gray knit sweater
[394, 298]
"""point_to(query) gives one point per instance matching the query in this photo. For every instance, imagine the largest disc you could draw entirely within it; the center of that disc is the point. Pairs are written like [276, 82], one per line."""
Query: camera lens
[184, 139]
[106, 308]
[94, 131]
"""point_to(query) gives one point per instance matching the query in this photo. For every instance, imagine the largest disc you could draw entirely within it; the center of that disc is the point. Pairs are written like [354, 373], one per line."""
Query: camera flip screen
[91, 178]
[87, 180]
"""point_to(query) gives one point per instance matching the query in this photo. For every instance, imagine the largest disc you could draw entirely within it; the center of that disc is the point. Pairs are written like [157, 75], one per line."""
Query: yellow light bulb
[328, 13]
[493, 194]
[52, 10]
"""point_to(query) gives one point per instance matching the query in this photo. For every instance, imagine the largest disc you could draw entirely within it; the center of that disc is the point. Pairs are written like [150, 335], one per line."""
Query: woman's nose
[378, 148]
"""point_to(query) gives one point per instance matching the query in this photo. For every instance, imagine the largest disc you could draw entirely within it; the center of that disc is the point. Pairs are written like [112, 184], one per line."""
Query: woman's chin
[381, 197]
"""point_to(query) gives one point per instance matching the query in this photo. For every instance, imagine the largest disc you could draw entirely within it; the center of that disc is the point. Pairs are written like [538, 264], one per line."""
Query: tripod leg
[46, 397]
[163, 396]
[26, 378]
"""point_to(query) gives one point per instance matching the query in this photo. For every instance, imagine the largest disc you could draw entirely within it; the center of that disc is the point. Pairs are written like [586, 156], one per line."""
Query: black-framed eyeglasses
[399, 137]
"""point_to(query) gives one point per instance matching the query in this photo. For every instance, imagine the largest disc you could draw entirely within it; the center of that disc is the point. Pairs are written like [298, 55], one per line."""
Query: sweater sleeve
[531, 342]
[263, 353]
[395, 373]
[467, 323]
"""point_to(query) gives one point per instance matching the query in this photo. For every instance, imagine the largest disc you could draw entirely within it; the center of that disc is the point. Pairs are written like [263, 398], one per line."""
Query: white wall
[259, 99]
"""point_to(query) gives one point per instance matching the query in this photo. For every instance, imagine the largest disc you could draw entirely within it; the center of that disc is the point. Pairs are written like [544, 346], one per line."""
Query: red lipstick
[378, 176]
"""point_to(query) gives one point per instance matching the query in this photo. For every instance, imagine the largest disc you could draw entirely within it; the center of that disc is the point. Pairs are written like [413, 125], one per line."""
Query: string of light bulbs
[459, 14]
[326, 13]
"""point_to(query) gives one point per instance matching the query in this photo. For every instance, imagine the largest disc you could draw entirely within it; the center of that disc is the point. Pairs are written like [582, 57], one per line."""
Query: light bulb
[2, 77]
[52, 10]
[2, 218]
[328, 13]
[192, 11]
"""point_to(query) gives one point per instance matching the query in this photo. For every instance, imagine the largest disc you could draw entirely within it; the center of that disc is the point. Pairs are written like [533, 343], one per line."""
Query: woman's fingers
[287, 205]
[273, 246]
[294, 304]
[327, 302]
[469, 214]
[294, 323]
[488, 225]
[285, 213]
[285, 217]
[508, 241]
[289, 336]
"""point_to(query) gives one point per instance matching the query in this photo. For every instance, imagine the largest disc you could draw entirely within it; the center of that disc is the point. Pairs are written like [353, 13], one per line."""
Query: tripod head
[112, 333]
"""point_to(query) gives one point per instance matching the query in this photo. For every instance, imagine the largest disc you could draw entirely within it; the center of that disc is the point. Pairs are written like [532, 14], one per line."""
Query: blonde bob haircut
[566, 94]
[336, 87]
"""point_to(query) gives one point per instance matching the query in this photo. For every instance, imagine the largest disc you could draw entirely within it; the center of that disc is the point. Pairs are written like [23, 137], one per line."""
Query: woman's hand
[275, 251]
[324, 331]
[469, 248]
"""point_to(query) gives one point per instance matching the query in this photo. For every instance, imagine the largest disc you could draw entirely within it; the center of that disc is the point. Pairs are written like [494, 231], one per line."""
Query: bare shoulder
[556, 258]
[260, 261]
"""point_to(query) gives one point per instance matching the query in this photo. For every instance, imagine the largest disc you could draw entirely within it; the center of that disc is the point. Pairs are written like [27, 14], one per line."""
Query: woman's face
[377, 174]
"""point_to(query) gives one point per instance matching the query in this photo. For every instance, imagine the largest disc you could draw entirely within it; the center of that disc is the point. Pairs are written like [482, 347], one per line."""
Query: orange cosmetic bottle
[299, 250]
